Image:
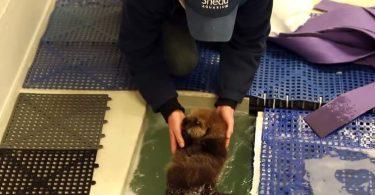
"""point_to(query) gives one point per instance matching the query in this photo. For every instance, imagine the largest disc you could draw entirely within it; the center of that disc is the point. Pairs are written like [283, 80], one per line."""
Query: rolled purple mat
[352, 37]
[342, 110]
[322, 51]
[344, 34]
[366, 61]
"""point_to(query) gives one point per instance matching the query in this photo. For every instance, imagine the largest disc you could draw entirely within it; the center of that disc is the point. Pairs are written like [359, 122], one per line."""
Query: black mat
[46, 121]
[24, 172]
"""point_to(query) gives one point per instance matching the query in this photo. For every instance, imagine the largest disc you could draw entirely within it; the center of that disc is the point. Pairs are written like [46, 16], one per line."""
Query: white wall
[21, 26]
[3, 6]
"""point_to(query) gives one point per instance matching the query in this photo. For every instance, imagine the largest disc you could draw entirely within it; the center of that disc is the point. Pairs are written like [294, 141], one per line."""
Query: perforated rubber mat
[294, 160]
[79, 66]
[78, 52]
[84, 21]
[44, 121]
[52, 172]
[283, 73]
[204, 76]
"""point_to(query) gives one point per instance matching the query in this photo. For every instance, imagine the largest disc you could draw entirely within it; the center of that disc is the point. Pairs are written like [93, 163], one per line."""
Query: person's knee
[180, 49]
[182, 61]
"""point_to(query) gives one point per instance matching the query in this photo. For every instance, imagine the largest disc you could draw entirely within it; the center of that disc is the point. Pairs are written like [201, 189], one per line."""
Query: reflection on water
[149, 176]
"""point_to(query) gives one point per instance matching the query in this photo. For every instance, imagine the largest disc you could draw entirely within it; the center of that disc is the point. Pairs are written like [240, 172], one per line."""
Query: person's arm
[140, 41]
[241, 56]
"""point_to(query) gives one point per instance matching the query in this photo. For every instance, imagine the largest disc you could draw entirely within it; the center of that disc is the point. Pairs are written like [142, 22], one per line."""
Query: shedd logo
[215, 4]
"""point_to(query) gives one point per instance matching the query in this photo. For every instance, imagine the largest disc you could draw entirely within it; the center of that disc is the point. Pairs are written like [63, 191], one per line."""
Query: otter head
[197, 124]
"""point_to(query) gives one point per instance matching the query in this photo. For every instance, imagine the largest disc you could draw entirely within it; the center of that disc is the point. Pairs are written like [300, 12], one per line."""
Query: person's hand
[227, 113]
[175, 128]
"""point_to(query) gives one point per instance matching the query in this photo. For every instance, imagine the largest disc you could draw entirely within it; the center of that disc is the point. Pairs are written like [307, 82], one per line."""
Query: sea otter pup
[195, 168]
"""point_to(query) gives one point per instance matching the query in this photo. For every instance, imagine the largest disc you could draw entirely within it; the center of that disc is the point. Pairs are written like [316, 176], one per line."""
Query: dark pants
[180, 48]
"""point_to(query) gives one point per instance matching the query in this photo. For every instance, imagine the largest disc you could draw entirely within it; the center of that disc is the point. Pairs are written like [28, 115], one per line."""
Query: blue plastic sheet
[294, 160]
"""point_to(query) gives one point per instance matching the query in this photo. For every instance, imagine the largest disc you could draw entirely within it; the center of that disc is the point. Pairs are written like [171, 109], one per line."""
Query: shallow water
[149, 176]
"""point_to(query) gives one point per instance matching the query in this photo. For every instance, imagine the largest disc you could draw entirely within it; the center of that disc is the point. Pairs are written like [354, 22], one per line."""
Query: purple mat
[357, 38]
[322, 51]
[342, 110]
[344, 34]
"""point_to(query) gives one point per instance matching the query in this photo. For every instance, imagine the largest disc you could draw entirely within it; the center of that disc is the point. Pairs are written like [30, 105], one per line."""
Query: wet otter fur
[195, 168]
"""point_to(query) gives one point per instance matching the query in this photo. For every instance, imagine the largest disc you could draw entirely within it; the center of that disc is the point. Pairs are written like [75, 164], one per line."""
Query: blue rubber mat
[78, 52]
[84, 21]
[204, 77]
[83, 66]
[283, 74]
[78, 66]
[296, 161]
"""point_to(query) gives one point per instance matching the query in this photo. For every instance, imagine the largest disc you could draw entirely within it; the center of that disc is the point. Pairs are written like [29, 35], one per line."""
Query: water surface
[149, 176]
